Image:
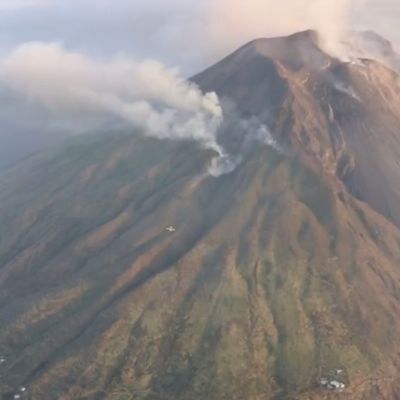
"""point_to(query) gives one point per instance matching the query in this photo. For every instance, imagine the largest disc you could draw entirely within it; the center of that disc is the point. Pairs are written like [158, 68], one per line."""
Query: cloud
[76, 89]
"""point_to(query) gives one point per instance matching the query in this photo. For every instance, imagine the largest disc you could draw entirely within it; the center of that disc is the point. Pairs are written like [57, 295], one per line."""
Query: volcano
[128, 272]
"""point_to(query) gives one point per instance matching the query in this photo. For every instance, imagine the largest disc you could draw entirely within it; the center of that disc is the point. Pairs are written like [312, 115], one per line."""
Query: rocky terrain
[128, 272]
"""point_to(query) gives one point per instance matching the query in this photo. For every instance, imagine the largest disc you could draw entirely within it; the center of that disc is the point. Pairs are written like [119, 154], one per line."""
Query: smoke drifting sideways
[230, 23]
[76, 93]
[340, 25]
[69, 92]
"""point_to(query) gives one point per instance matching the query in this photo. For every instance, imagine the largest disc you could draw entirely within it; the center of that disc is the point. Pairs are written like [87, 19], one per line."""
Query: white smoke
[239, 138]
[67, 90]
[232, 22]
[143, 94]
[225, 164]
[346, 89]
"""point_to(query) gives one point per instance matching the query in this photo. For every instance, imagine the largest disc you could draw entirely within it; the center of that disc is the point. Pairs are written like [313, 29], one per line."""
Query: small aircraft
[171, 229]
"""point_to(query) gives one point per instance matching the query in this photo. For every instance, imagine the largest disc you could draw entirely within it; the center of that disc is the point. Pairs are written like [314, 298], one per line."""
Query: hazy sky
[184, 33]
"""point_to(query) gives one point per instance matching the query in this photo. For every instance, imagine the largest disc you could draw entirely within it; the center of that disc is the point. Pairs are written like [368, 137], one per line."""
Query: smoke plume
[70, 86]
[232, 23]
[69, 91]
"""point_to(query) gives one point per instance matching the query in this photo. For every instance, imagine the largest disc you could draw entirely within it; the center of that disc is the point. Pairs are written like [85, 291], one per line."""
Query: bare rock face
[128, 272]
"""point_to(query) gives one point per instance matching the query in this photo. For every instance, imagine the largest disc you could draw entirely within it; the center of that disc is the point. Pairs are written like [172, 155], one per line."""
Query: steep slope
[343, 115]
[276, 277]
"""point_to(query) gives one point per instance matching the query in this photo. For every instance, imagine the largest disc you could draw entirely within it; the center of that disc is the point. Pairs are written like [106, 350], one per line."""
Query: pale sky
[188, 34]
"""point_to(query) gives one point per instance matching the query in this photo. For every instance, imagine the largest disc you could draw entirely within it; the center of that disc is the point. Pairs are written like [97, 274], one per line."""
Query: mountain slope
[279, 274]
[344, 116]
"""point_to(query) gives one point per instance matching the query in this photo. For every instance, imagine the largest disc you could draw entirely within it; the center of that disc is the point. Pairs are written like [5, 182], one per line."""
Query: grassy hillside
[274, 278]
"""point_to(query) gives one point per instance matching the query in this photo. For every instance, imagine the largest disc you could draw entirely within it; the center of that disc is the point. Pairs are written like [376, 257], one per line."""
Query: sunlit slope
[275, 276]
